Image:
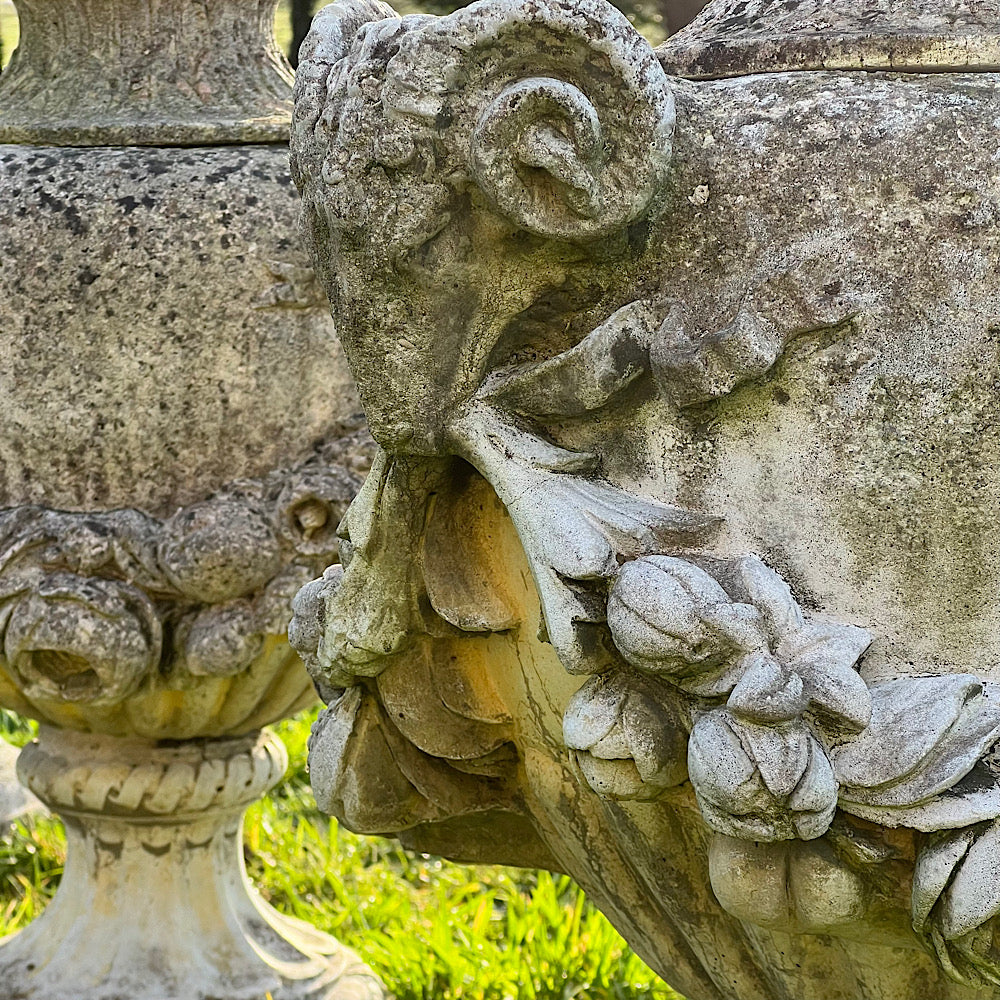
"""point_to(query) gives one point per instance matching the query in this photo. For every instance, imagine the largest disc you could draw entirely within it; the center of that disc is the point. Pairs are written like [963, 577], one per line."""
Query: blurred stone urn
[176, 452]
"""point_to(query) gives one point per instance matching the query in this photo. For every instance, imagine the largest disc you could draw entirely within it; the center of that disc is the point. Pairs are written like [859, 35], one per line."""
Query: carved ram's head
[453, 170]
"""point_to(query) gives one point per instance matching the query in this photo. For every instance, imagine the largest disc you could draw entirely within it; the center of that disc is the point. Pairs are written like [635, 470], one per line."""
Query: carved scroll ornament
[481, 219]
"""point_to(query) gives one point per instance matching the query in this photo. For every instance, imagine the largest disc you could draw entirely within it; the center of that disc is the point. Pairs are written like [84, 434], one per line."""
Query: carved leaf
[375, 781]
[933, 869]
[572, 528]
[692, 368]
[962, 871]
[589, 374]
[926, 734]
[439, 704]
[376, 609]
[352, 771]
[463, 560]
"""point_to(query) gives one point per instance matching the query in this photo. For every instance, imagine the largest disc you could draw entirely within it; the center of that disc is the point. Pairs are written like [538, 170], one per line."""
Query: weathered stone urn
[678, 567]
[175, 454]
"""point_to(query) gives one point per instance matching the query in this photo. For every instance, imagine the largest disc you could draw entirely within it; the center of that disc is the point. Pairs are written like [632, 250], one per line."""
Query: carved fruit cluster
[93, 606]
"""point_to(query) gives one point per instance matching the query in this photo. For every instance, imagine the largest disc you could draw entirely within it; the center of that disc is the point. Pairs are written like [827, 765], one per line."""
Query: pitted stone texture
[163, 334]
[735, 37]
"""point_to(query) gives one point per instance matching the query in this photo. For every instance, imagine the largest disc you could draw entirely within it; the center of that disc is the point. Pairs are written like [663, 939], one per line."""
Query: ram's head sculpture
[675, 569]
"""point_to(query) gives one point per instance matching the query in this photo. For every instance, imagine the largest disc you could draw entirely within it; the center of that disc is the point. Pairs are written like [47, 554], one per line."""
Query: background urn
[178, 427]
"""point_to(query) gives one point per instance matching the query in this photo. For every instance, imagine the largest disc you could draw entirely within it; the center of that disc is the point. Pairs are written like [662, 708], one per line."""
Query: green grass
[433, 930]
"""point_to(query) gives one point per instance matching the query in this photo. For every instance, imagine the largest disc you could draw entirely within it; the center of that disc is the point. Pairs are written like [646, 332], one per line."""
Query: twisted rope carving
[81, 773]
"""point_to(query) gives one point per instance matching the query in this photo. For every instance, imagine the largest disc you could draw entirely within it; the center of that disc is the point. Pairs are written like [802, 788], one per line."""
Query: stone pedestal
[154, 901]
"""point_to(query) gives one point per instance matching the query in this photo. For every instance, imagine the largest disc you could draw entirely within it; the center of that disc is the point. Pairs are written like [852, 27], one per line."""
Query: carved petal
[767, 692]
[823, 655]
[720, 767]
[592, 712]
[765, 589]
[926, 734]
[656, 738]
[781, 753]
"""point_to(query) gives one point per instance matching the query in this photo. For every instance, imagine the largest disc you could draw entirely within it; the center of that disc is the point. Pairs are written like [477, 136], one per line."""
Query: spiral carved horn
[577, 142]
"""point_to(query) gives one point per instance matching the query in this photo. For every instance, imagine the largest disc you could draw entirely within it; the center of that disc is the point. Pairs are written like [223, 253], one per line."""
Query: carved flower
[627, 743]
[761, 782]
[221, 640]
[82, 639]
[311, 507]
[670, 618]
[219, 549]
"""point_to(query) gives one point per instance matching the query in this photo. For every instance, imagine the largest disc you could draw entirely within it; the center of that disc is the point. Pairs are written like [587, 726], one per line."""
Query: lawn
[433, 930]
[8, 30]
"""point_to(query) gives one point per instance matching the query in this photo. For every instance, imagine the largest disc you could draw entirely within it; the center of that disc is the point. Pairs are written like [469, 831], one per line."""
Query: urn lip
[731, 38]
[132, 130]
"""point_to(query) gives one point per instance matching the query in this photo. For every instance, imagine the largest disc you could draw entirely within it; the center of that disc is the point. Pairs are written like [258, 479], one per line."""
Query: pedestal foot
[155, 903]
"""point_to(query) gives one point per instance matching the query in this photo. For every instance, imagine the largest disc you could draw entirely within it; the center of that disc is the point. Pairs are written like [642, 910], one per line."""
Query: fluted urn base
[155, 903]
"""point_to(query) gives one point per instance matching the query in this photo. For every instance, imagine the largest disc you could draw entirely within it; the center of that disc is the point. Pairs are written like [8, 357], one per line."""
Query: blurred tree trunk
[302, 13]
[677, 13]
[657, 17]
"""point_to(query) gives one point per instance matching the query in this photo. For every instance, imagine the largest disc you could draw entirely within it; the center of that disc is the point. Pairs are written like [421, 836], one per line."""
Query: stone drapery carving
[674, 569]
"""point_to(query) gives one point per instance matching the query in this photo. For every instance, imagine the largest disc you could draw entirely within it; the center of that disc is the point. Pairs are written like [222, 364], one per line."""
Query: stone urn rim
[733, 38]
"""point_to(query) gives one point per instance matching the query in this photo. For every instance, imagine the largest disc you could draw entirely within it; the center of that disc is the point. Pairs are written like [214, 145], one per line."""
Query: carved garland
[95, 606]
[701, 668]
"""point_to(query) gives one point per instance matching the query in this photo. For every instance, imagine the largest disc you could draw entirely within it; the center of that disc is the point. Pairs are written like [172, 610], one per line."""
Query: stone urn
[677, 569]
[177, 449]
